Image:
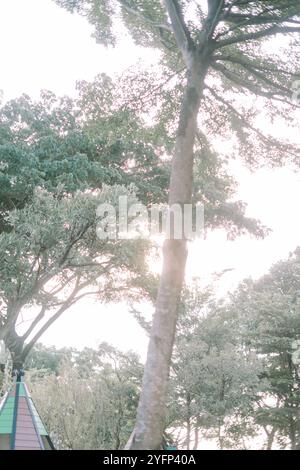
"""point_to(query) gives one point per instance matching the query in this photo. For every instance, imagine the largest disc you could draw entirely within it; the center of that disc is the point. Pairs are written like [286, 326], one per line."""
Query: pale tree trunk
[220, 437]
[196, 441]
[294, 433]
[150, 422]
[188, 421]
[151, 410]
[270, 439]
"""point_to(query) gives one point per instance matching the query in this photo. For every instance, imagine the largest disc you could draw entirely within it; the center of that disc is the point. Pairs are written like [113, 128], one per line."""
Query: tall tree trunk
[151, 410]
[196, 442]
[14, 344]
[294, 433]
[270, 439]
[220, 437]
[188, 421]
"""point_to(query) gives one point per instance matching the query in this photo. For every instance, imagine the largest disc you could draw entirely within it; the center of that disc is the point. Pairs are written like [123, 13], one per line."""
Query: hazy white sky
[44, 47]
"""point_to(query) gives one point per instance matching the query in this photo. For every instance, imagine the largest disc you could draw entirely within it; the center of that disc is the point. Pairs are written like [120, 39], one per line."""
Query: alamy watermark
[129, 221]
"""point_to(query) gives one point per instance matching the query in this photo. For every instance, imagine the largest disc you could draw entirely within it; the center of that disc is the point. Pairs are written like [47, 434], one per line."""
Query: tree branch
[181, 32]
[257, 35]
[267, 141]
[62, 285]
[214, 11]
[254, 66]
[51, 320]
[73, 242]
[253, 88]
[38, 318]
[139, 15]
[249, 20]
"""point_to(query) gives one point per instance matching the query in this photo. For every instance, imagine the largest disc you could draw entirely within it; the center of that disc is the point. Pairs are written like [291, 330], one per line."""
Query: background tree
[53, 258]
[90, 403]
[234, 374]
[65, 145]
[269, 310]
[221, 46]
[56, 155]
[51, 153]
[48, 358]
[214, 381]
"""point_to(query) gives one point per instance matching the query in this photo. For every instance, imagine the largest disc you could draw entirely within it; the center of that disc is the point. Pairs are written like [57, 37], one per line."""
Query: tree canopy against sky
[269, 312]
[87, 398]
[214, 381]
[235, 364]
[53, 152]
[55, 170]
[234, 373]
[229, 74]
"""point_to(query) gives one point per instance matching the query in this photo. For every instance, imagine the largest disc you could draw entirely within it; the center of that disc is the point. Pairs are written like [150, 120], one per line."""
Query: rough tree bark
[14, 344]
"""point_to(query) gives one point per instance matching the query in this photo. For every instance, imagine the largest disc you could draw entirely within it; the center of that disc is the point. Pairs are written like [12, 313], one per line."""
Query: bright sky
[44, 47]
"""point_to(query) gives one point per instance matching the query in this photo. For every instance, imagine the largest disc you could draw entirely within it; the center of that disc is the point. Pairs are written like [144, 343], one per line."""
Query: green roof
[7, 415]
[22, 390]
[40, 427]
[19, 418]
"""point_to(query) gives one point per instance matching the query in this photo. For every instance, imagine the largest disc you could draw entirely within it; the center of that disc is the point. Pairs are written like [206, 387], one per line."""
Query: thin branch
[249, 20]
[266, 140]
[40, 282]
[257, 35]
[244, 63]
[253, 88]
[51, 320]
[88, 264]
[239, 25]
[146, 95]
[38, 318]
[73, 242]
[214, 11]
[139, 15]
[62, 285]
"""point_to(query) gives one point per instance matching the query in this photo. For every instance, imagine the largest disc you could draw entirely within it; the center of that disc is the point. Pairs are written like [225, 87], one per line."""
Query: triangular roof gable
[21, 427]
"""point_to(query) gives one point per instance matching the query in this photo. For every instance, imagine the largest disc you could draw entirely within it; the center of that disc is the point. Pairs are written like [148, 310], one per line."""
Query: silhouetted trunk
[270, 440]
[220, 437]
[15, 344]
[294, 433]
[196, 442]
[188, 421]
